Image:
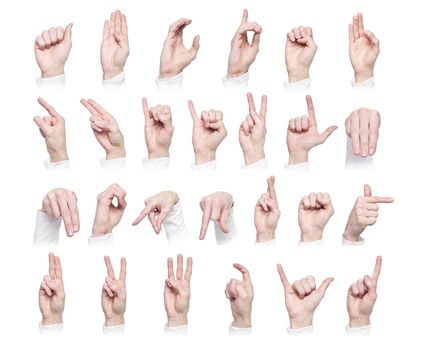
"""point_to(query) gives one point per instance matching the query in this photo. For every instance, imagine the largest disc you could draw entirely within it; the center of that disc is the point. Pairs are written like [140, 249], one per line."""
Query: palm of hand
[312, 220]
[363, 53]
[206, 139]
[54, 56]
[242, 55]
[177, 300]
[176, 54]
[55, 304]
[360, 306]
[240, 306]
[110, 137]
[303, 141]
[112, 54]
[266, 220]
[298, 54]
[115, 305]
[158, 136]
[297, 306]
[257, 136]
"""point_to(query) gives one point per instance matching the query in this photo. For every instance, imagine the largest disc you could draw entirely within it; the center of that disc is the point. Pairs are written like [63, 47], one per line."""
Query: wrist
[301, 321]
[115, 153]
[51, 320]
[235, 74]
[114, 321]
[242, 322]
[254, 156]
[295, 76]
[169, 73]
[311, 236]
[159, 154]
[363, 76]
[52, 72]
[58, 156]
[178, 321]
[110, 73]
[298, 157]
[263, 236]
[204, 157]
[351, 235]
[359, 322]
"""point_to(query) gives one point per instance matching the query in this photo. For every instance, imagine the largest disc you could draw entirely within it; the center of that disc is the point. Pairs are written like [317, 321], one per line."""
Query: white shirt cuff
[205, 166]
[366, 330]
[116, 163]
[114, 82]
[170, 83]
[114, 330]
[156, 164]
[63, 164]
[317, 242]
[223, 238]
[259, 165]
[54, 82]
[100, 241]
[300, 85]
[236, 82]
[301, 331]
[46, 230]
[175, 227]
[367, 84]
[240, 331]
[345, 242]
[271, 242]
[50, 329]
[180, 330]
[298, 167]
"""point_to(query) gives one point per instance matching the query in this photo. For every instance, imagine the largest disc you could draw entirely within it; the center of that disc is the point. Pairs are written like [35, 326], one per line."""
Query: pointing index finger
[109, 268]
[48, 108]
[244, 271]
[271, 188]
[376, 199]
[193, 113]
[377, 268]
[123, 271]
[311, 109]
[283, 276]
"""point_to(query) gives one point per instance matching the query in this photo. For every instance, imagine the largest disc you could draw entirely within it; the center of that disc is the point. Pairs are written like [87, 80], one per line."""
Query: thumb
[68, 32]
[41, 123]
[160, 218]
[223, 221]
[371, 285]
[371, 37]
[308, 41]
[196, 45]
[326, 134]
[324, 285]
[255, 40]
[367, 191]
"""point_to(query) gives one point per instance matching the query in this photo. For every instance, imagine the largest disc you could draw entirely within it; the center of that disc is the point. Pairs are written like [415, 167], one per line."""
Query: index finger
[148, 208]
[283, 276]
[193, 112]
[52, 269]
[145, 108]
[170, 265]
[176, 26]
[244, 271]
[48, 108]
[311, 109]
[99, 108]
[376, 199]
[123, 270]
[109, 268]
[271, 188]
[377, 268]
[264, 106]
[189, 269]
[207, 210]
[58, 267]
[244, 17]
[90, 108]
[251, 102]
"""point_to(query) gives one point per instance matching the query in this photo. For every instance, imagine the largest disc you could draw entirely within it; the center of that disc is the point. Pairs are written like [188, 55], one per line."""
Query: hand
[208, 133]
[157, 208]
[114, 294]
[177, 292]
[240, 294]
[252, 132]
[158, 130]
[242, 52]
[51, 298]
[314, 213]
[302, 298]
[106, 130]
[300, 52]
[62, 203]
[175, 57]
[362, 128]
[361, 297]
[364, 213]
[364, 49]
[107, 214]
[52, 49]
[52, 128]
[267, 214]
[115, 49]
[302, 135]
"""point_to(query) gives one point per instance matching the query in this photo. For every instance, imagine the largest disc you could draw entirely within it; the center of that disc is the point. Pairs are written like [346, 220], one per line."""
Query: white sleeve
[50, 329]
[236, 82]
[271, 242]
[114, 330]
[298, 167]
[116, 163]
[223, 238]
[63, 164]
[367, 84]
[180, 330]
[46, 230]
[205, 166]
[116, 82]
[366, 330]
[175, 227]
[240, 331]
[259, 165]
[156, 164]
[54, 82]
[356, 162]
[301, 331]
[100, 241]
[170, 83]
[300, 85]
[345, 242]
[313, 243]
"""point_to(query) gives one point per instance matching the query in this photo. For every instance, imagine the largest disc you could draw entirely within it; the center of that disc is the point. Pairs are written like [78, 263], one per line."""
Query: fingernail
[75, 228]
[364, 153]
[356, 151]
[371, 151]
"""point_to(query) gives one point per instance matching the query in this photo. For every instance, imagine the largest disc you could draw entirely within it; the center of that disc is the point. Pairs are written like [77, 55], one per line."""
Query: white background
[397, 236]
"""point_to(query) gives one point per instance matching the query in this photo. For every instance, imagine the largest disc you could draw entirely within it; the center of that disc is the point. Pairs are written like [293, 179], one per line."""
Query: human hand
[177, 292]
[216, 207]
[362, 128]
[361, 297]
[364, 213]
[208, 133]
[52, 128]
[302, 298]
[51, 297]
[62, 203]
[243, 53]
[114, 294]
[157, 208]
[240, 294]
[115, 49]
[175, 57]
[314, 213]
[302, 135]
[105, 129]
[52, 49]
[158, 130]
[364, 49]
[267, 214]
[252, 131]
[107, 214]
[300, 52]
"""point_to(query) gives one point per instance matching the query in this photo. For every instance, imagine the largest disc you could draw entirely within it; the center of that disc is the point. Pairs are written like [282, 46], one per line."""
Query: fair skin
[364, 49]
[208, 133]
[105, 129]
[252, 132]
[52, 49]
[177, 292]
[315, 210]
[300, 52]
[158, 129]
[243, 53]
[51, 297]
[157, 208]
[52, 128]
[303, 135]
[115, 49]
[362, 127]
[240, 295]
[215, 207]
[364, 213]
[108, 215]
[361, 297]
[267, 214]
[62, 203]
[114, 294]
[302, 298]
[175, 56]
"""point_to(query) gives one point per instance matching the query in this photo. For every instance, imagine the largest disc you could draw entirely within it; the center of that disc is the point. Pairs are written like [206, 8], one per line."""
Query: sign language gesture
[362, 296]
[115, 48]
[158, 130]
[252, 131]
[51, 297]
[175, 57]
[114, 294]
[52, 128]
[364, 213]
[177, 292]
[303, 135]
[364, 49]
[208, 133]
[243, 53]
[105, 129]
[302, 298]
